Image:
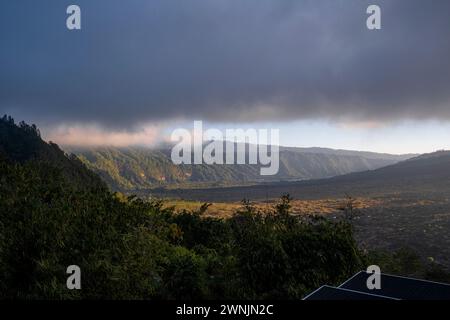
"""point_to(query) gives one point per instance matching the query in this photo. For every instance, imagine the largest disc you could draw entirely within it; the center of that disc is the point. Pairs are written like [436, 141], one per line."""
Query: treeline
[22, 143]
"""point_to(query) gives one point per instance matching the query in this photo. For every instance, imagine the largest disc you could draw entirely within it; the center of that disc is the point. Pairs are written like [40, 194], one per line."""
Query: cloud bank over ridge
[224, 60]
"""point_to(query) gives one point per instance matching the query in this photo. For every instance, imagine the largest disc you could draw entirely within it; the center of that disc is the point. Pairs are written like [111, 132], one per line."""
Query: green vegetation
[406, 262]
[135, 249]
[54, 213]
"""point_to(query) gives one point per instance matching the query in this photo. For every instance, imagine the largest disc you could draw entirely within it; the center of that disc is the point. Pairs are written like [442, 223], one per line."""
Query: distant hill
[21, 143]
[342, 152]
[138, 168]
[424, 174]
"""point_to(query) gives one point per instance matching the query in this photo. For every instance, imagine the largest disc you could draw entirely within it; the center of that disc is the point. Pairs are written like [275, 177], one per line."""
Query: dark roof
[400, 287]
[392, 287]
[332, 293]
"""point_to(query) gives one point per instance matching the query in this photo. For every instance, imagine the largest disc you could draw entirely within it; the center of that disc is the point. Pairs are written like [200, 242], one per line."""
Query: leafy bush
[406, 262]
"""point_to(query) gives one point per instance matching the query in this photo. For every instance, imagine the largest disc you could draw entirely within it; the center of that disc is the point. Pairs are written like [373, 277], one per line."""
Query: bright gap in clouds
[94, 136]
[396, 138]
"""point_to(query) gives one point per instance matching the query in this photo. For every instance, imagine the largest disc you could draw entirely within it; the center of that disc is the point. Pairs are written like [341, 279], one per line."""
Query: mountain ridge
[22, 143]
[427, 174]
[138, 168]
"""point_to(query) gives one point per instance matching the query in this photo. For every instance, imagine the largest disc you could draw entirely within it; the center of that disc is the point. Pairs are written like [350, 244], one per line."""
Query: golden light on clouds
[91, 135]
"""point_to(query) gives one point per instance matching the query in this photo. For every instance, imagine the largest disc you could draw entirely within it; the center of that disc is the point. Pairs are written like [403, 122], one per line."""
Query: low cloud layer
[224, 60]
[93, 136]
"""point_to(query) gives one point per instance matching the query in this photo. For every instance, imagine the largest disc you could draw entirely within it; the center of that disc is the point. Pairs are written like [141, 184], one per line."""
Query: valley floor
[422, 225]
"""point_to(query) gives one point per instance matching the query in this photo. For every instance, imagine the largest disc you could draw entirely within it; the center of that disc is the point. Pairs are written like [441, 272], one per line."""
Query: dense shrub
[406, 262]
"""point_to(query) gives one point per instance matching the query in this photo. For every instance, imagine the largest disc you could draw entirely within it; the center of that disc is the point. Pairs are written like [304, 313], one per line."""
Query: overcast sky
[137, 66]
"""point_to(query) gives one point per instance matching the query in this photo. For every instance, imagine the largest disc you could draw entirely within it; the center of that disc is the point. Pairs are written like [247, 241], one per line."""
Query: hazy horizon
[403, 138]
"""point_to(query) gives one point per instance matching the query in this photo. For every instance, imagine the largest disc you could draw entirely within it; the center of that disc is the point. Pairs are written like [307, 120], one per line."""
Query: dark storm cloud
[222, 60]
